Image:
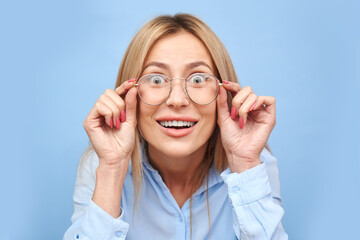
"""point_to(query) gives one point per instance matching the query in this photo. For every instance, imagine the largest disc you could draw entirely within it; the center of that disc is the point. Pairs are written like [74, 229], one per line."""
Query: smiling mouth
[176, 124]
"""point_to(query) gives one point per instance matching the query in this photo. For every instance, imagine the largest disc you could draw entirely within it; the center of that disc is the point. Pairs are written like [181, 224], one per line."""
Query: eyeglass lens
[201, 88]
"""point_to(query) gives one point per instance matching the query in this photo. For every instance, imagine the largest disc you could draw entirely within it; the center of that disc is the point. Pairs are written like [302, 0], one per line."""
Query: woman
[200, 167]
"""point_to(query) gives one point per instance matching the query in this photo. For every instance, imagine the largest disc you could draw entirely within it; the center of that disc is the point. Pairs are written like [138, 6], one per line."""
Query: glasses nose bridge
[183, 84]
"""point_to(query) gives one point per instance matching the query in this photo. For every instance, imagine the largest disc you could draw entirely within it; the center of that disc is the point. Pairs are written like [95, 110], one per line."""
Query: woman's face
[178, 56]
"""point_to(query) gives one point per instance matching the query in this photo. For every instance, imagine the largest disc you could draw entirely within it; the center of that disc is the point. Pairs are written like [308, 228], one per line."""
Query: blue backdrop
[58, 57]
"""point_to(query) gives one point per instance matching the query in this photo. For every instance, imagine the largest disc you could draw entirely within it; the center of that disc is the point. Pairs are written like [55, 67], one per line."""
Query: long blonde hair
[133, 63]
[132, 66]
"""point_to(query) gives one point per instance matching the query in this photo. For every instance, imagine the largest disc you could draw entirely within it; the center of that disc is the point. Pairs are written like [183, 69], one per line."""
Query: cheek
[210, 117]
[212, 111]
[145, 121]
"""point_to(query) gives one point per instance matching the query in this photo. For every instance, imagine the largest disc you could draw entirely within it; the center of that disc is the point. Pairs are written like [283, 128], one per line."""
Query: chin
[177, 149]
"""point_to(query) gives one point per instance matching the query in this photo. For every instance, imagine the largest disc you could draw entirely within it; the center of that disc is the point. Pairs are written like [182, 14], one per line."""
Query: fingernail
[241, 123]
[252, 107]
[122, 116]
[117, 123]
[132, 80]
[233, 113]
[111, 123]
[226, 82]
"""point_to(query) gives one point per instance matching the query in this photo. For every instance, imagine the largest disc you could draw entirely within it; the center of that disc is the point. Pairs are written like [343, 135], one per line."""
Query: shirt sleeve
[256, 202]
[89, 221]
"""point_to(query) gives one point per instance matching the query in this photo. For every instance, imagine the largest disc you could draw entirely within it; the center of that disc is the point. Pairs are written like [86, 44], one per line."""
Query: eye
[197, 79]
[156, 79]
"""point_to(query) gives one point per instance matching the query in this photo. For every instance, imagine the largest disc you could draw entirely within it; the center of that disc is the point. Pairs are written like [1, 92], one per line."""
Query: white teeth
[175, 123]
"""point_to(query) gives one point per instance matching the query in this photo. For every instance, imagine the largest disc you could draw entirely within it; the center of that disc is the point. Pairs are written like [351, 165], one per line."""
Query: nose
[178, 97]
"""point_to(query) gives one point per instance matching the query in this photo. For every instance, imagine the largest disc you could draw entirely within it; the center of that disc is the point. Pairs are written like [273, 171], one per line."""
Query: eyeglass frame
[185, 89]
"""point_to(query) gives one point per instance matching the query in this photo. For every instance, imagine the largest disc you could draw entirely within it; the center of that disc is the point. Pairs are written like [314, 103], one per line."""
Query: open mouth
[176, 124]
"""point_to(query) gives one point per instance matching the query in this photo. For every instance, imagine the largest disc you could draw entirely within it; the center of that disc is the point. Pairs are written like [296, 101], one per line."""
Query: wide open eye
[156, 79]
[202, 88]
[197, 79]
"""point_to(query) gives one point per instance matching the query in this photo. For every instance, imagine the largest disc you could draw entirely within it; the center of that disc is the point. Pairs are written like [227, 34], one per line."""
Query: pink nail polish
[241, 123]
[111, 123]
[117, 123]
[252, 107]
[233, 113]
[132, 80]
[226, 82]
[122, 116]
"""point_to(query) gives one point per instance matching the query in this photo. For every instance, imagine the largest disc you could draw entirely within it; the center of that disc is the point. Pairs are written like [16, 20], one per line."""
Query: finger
[233, 87]
[98, 112]
[238, 100]
[222, 105]
[245, 109]
[109, 103]
[124, 87]
[130, 106]
[267, 102]
[119, 102]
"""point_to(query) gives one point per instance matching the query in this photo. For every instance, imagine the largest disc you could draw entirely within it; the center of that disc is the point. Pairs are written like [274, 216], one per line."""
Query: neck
[179, 173]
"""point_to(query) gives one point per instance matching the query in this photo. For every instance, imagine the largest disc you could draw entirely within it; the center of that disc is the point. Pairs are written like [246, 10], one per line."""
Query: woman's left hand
[246, 129]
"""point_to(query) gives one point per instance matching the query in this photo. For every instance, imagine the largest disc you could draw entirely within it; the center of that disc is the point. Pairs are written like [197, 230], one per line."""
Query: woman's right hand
[111, 125]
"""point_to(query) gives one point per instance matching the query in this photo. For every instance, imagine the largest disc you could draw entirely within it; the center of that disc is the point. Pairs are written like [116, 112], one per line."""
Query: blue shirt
[243, 205]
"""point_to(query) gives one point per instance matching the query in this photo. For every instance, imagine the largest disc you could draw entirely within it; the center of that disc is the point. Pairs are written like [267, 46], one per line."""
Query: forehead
[179, 48]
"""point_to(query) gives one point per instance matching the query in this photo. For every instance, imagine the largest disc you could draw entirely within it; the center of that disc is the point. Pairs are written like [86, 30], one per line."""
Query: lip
[173, 132]
[176, 118]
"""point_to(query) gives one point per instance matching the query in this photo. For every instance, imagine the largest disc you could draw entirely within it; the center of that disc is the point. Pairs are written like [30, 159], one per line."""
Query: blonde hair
[132, 66]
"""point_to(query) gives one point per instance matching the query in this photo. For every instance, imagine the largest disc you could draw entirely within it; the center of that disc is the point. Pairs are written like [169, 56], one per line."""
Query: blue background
[58, 57]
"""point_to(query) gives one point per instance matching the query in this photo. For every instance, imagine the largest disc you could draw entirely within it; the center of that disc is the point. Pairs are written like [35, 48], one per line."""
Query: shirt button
[77, 236]
[118, 234]
[235, 189]
[180, 218]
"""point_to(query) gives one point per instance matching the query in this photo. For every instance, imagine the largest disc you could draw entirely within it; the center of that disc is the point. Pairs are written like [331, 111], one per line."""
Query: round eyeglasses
[201, 88]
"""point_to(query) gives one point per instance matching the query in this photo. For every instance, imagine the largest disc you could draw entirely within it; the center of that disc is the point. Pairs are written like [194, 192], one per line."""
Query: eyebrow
[188, 66]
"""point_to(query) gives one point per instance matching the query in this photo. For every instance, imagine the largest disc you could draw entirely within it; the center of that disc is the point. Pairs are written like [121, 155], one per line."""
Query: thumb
[131, 103]
[222, 105]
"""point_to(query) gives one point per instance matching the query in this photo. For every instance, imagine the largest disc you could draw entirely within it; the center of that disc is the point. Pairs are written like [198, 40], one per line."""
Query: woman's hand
[111, 124]
[246, 129]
